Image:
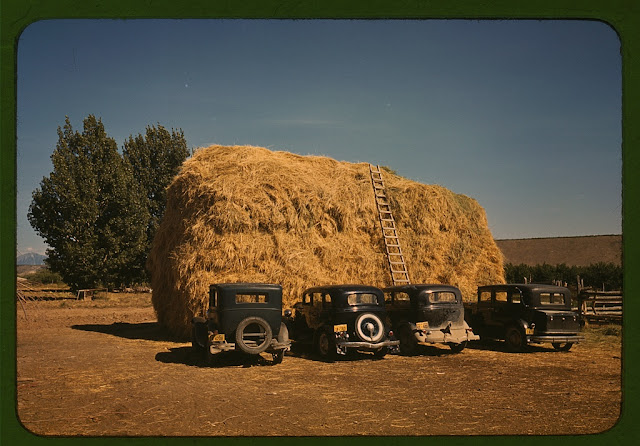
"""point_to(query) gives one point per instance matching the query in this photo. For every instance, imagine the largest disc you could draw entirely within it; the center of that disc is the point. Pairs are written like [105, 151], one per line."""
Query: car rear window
[362, 299]
[552, 298]
[252, 298]
[442, 296]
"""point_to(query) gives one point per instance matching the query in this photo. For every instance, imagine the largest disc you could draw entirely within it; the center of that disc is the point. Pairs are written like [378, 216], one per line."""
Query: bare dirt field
[104, 368]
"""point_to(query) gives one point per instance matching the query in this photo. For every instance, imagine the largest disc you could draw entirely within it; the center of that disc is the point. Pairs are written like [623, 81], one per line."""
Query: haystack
[248, 214]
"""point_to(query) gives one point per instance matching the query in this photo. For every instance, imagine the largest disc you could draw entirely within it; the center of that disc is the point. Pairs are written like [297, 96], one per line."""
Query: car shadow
[188, 356]
[149, 331]
[310, 355]
[501, 346]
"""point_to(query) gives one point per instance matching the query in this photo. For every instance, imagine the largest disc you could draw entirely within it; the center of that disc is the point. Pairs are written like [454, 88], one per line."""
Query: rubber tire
[325, 346]
[514, 339]
[562, 347]
[278, 356]
[194, 342]
[408, 341]
[457, 348]
[209, 358]
[283, 334]
[268, 335]
[377, 322]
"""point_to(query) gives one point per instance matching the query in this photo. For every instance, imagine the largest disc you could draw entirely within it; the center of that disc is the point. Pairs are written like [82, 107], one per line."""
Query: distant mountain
[30, 258]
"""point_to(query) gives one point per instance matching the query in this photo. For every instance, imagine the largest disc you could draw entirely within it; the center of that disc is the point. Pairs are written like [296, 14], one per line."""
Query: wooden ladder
[397, 265]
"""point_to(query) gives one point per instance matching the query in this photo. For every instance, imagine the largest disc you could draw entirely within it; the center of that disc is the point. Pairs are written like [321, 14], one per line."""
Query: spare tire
[369, 327]
[253, 335]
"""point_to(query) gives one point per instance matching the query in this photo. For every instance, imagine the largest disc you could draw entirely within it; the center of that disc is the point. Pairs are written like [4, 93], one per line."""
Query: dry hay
[248, 214]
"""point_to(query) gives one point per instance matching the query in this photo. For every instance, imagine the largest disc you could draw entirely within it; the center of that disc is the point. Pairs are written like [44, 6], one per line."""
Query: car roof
[247, 285]
[343, 288]
[421, 287]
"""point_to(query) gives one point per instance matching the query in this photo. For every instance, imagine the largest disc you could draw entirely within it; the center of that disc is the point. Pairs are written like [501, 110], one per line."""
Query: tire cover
[240, 332]
[369, 327]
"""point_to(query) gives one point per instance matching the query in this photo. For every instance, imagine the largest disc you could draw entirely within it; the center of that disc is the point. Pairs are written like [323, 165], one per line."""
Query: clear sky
[523, 116]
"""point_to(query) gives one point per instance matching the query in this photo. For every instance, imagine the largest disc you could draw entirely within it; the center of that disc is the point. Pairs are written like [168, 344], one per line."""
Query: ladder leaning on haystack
[395, 258]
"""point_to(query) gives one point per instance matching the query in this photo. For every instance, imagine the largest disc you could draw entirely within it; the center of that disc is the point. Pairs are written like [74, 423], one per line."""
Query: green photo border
[622, 15]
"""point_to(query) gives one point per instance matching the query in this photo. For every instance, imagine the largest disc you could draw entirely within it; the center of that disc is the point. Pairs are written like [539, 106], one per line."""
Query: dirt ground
[106, 369]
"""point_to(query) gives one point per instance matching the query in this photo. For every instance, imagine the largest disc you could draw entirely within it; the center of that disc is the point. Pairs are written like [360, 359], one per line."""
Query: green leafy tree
[155, 159]
[90, 211]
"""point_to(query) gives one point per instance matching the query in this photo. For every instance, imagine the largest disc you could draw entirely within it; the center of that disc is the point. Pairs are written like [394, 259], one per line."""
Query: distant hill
[30, 258]
[573, 251]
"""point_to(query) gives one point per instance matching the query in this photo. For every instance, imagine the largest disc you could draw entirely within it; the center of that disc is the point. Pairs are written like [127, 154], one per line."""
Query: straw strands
[248, 214]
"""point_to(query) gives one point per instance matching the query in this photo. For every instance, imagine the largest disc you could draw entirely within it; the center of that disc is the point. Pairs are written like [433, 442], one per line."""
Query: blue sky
[523, 116]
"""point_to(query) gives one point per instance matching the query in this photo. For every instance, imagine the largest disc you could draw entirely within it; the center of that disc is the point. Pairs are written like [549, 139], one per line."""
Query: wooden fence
[600, 306]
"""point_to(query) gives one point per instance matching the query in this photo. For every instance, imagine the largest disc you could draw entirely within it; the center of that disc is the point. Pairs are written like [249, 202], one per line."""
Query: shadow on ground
[500, 346]
[188, 356]
[149, 331]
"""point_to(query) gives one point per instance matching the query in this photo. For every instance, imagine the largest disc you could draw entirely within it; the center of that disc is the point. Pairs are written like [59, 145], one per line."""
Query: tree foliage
[90, 211]
[595, 275]
[155, 159]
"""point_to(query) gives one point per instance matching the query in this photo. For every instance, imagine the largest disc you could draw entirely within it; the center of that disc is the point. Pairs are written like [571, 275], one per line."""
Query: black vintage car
[245, 317]
[525, 313]
[427, 314]
[336, 319]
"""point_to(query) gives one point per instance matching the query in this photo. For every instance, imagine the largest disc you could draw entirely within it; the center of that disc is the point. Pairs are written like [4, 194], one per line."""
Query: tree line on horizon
[598, 275]
[98, 209]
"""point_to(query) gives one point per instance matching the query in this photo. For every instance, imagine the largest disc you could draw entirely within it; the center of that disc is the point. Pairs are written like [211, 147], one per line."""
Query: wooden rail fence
[600, 306]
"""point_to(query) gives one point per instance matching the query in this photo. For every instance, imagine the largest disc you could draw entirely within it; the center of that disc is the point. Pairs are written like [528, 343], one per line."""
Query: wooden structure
[600, 306]
[397, 265]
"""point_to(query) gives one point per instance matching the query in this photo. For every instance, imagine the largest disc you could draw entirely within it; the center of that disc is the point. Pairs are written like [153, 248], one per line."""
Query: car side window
[485, 296]
[326, 300]
[501, 296]
[306, 299]
[515, 297]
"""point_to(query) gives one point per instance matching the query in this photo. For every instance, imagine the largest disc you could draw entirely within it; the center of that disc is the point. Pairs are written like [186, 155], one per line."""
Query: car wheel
[514, 339]
[408, 341]
[562, 347]
[457, 348]
[369, 327]
[253, 335]
[326, 346]
[380, 353]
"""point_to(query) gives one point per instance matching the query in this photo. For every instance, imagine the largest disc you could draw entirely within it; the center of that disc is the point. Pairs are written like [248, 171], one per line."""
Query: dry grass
[249, 214]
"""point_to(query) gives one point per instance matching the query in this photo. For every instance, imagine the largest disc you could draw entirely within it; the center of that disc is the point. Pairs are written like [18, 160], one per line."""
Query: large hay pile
[252, 215]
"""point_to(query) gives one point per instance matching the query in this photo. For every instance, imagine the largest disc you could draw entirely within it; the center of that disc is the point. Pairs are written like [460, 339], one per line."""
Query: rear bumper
[452, 336]
[365, 345]
[218, 347]
[555, 338]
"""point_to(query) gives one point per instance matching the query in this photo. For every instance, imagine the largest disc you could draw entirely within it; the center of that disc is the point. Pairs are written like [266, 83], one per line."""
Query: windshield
[362, 299]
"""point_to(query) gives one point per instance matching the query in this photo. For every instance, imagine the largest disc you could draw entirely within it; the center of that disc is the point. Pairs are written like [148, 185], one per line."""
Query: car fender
[521, 324]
